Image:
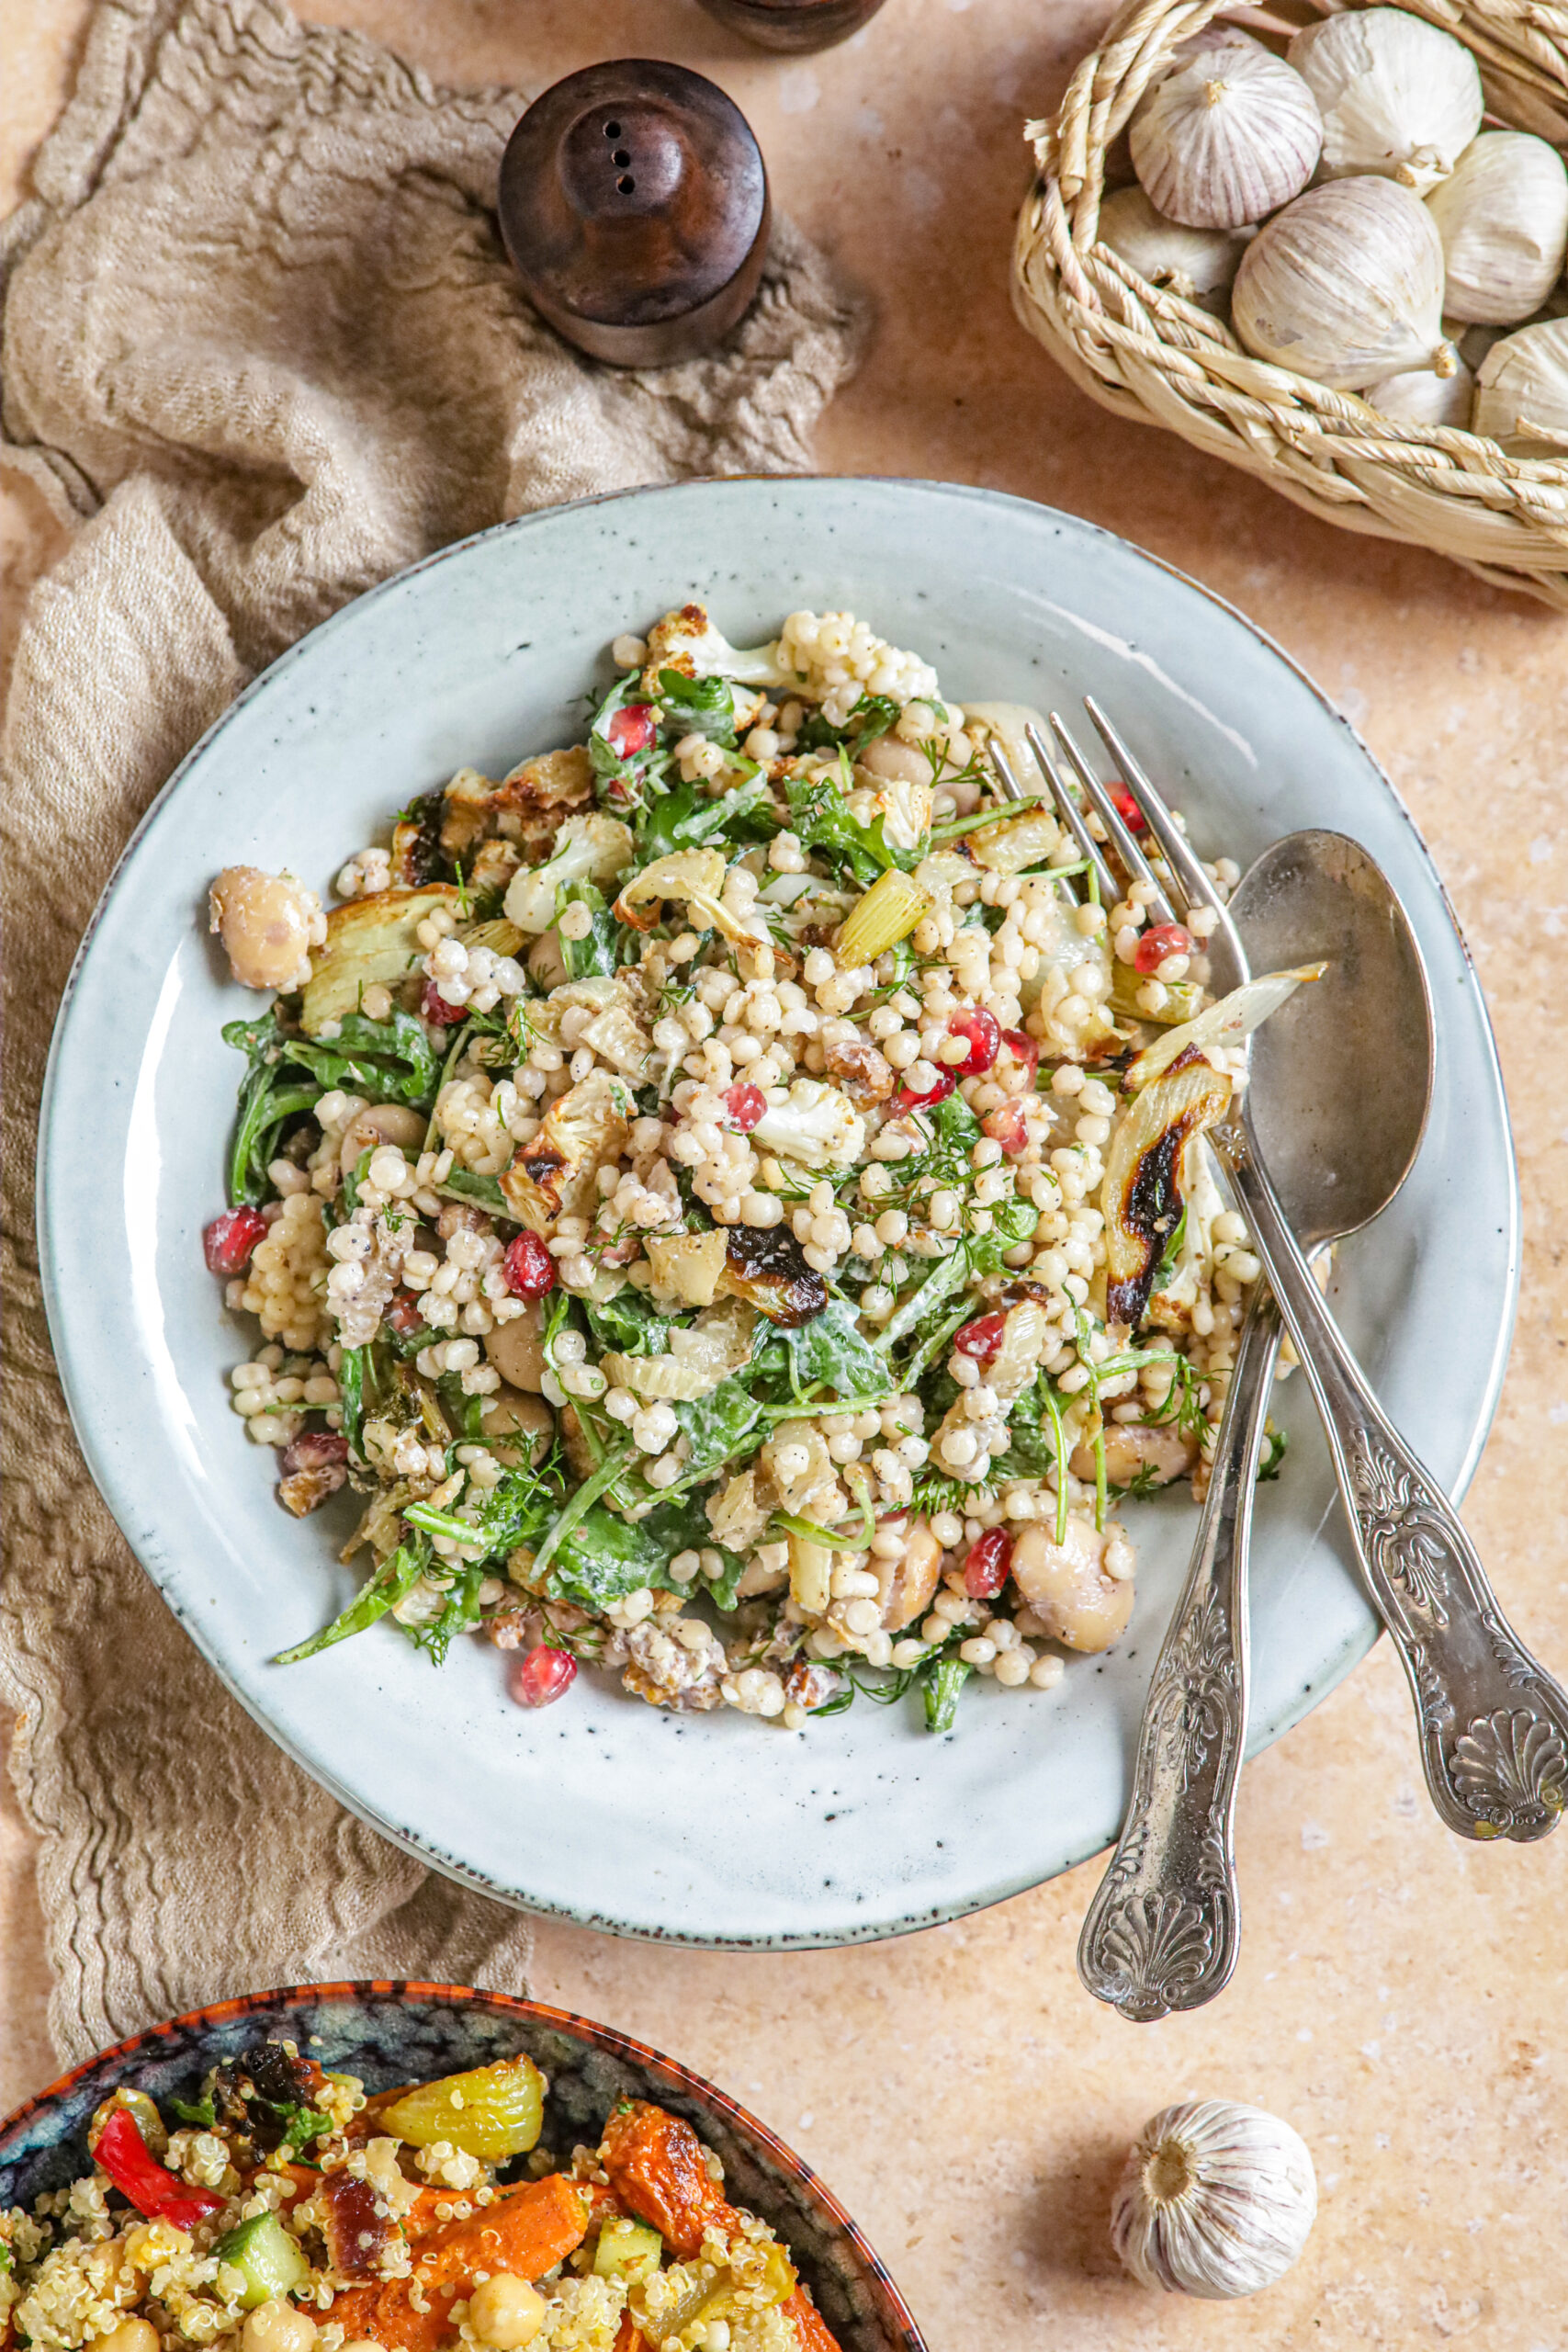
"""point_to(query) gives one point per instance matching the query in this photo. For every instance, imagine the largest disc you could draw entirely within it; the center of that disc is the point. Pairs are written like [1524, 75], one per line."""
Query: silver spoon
[1163, 1930]
[1322, 1118]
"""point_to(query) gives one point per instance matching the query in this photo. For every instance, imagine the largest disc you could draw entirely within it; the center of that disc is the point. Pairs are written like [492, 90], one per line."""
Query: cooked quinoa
[282, 2210]
[731, 1200]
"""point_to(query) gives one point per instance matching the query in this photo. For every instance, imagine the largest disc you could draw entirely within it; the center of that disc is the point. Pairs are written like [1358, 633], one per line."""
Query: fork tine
[1187, 873]
[1010, 788]
[1072, 816]
[1122, 840]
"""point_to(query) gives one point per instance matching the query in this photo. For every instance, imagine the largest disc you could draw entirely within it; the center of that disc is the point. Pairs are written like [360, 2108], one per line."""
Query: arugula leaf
[598, 956]
[628, 1323]
[460, 1616]
[683, 817]
[199, 2112]
[831, 1351]
[386, 1061]
[392, 1579]
[604, 1557]
[1276, 1444]
[820, 820]
[872, 716]
[464, 1186]
[305, 2124]
[621, 783]
[716, 1423]
[699, 706]
[350, 1396]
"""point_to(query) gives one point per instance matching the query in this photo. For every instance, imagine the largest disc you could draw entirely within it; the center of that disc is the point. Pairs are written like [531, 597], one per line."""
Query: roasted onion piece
[1143, 1195]
[767, 1266]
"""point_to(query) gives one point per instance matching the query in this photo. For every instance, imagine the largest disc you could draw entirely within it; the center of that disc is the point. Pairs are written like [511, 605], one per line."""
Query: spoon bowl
[1341, 1077]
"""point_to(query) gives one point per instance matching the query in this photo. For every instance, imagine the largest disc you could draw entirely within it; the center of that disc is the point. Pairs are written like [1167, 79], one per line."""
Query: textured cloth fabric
[261, 347]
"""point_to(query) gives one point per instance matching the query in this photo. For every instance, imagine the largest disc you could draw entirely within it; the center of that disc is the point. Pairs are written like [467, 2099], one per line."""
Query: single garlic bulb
[1197, 263]
[1503, 218]
[1524, 384]
[1215, 2199]
[1421, 397]
[1345, 286]
[1230, 135]
[1397, 96]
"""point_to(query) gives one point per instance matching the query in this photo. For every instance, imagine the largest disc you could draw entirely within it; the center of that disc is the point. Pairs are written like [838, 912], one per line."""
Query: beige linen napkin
[262, 346]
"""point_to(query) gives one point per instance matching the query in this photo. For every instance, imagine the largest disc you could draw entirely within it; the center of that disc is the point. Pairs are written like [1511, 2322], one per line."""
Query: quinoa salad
[283, 2211]
[730, 1200]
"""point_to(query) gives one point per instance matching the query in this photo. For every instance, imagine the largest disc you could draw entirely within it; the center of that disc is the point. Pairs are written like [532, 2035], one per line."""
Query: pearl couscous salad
[285, 2211]
[731, 1200]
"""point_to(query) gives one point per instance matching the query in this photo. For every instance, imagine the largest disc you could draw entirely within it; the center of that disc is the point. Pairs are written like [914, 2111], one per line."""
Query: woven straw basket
[1148, 354]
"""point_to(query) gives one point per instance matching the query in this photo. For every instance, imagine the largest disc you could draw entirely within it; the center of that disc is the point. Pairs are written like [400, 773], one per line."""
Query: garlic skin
[1345, 286]
[1197, 263]
[1227, 138]
[1397, 96]
[1503, 218]
[1421, 397]
[1216, 2200]
[1524, 382]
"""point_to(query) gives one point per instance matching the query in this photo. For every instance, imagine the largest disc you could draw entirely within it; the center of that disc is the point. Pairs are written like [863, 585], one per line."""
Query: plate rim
[1261, 1733]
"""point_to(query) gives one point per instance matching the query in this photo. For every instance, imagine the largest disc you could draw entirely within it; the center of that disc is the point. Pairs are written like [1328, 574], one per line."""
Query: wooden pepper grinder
[793, 23]
[634, 203]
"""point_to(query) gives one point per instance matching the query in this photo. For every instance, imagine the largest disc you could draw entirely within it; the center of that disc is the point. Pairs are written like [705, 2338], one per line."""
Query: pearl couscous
[282, 2210]
[731, 1200]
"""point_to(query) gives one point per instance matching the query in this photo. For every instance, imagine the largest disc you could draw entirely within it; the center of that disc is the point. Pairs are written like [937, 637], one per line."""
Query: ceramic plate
[398, 2033]
[711, 1828]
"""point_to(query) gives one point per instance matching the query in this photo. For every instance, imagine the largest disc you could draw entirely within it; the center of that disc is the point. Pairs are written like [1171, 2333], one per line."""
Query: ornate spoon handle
[1493, 1724]
[1162, 1931]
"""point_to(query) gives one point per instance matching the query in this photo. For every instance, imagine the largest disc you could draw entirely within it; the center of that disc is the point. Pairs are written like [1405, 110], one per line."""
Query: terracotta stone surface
[1399, 1994]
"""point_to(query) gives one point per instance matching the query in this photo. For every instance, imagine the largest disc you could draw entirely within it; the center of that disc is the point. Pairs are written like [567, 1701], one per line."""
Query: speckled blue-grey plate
[390, 2033]
[711, 1828]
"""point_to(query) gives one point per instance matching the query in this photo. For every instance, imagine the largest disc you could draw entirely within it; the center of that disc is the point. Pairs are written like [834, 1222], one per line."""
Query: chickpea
[546, 960]
[896, 763]
[1067, 1586]
[1167, 1454]
[278, 2327]
[506, 2312]
[517, 1349]
[131, 2335]
[904, 1585]
[381, 1123]
[527, 1420]
[268, 924]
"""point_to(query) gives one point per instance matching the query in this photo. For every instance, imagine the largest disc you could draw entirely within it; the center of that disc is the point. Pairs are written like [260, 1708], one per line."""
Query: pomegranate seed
[405, 1314]
[1164, 939]
[541, 1678]
[433, 1006]
[1127, 808]
[632, 729]
[230, 1239]
[983, 1034]
[945, 1083]
[1007, 1125]
[745, 1105]
[529, 1268]
[1022, 1047]
[981, 1338]
[986, 1568]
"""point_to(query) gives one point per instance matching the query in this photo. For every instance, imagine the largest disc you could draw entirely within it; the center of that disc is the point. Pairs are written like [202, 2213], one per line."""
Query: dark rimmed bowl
[388, 2033]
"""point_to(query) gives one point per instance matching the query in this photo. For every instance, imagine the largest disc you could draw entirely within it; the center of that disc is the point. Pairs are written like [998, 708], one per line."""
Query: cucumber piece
[266, 2258]
[628, 2250]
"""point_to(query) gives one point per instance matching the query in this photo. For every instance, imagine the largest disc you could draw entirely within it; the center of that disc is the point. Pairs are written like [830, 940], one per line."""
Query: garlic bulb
[1215, 2199]
[1197, 263]
[1345, 286]
[1503, 218]
[1227, 138]
[1524, 383]
[1421, 397]
[1397, 96]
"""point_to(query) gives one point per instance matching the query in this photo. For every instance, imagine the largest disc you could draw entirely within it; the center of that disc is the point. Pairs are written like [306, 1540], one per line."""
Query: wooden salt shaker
[793, 23]
[634, 203]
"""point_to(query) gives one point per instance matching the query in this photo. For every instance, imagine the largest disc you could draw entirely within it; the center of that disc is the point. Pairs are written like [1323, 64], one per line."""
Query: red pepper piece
[986, 1567]
[144, 2182]
[632, 729]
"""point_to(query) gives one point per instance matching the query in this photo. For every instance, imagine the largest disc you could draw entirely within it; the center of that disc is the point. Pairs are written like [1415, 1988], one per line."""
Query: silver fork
[1163, 1930]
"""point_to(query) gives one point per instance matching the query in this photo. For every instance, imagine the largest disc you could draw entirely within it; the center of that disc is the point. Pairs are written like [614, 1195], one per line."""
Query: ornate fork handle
[1493, 1724]
[1162, 1931]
